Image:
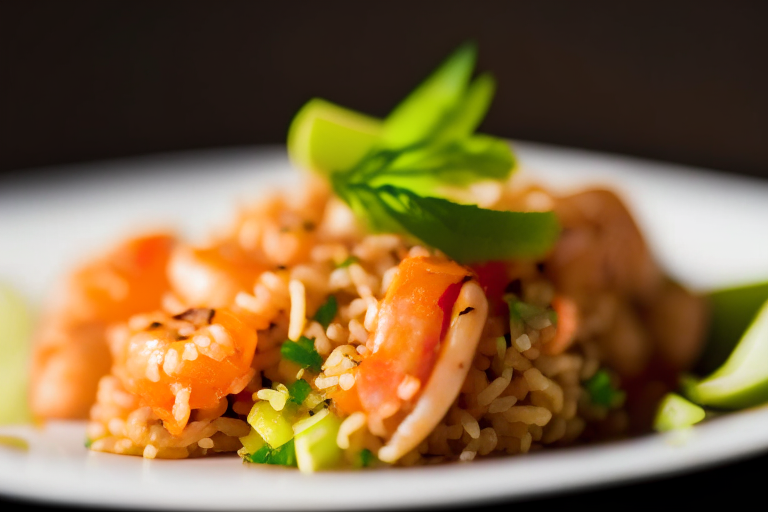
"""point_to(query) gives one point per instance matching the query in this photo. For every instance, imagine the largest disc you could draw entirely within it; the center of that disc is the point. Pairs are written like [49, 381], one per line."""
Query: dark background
[679, 81]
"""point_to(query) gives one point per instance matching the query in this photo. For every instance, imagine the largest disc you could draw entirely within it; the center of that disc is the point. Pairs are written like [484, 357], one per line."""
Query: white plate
[707, 229]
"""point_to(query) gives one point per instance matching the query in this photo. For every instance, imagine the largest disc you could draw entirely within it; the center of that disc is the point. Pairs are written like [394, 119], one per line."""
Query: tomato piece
[493, 279]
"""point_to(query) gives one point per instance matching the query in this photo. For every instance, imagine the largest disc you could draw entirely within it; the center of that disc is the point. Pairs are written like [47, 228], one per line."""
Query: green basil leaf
[421, 111]
[465, 233]
[466, 116]
[367, 207]
[458, 163]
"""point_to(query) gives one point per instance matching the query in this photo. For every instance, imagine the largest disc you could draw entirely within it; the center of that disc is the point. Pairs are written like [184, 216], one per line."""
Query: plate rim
[741, 444]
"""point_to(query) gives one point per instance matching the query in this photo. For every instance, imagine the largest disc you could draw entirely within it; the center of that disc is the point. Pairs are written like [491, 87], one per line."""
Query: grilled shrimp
[601, 248]
[429, 324]
[70, 353]
[188, 361]
[212, 276]
[602, 262]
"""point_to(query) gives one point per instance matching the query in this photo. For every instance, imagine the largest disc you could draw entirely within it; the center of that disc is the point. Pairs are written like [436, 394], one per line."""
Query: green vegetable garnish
[273, 426]
[298, 391]
[601, 390]
[303, 353]
[253, 442]
[444, 105]
[676, 413]
[285, 455]
[316, 446]
[458, 163]
[325, 137]
[365, 458]
[88, 442]
[327, 312]
[731, 312]
[743, 380]
[424, 149]
[464, 232]
[15, 442]
[15, 330]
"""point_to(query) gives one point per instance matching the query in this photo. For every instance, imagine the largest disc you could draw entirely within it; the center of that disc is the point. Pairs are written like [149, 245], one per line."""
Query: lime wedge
[743, 380]
[731, 312]
[327, 138]
[15, 328]
[676, 413]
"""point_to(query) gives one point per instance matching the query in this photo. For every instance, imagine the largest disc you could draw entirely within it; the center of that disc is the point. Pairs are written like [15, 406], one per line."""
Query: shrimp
[429, 325]
[602, 254]
[212, 276]
[188, 361]
[601, 248]
[70, 353]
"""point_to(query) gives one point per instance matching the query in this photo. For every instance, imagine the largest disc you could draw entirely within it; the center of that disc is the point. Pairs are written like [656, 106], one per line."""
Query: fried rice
[196, 345]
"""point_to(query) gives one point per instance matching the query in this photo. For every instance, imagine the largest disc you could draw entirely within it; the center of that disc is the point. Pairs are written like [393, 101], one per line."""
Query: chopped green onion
[299, 391]
[602, 392]
[303, 353]
[327, 312]
[273, 426]
[316, 446]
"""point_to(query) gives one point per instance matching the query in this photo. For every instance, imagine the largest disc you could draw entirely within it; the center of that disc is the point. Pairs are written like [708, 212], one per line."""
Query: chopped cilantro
[602, 392]
[365, 458]
[303, 353]
[298, 391]
[284, 455]
[327, 312]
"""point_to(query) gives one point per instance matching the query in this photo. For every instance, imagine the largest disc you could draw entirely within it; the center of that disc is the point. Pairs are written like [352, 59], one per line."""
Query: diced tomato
[493, 279]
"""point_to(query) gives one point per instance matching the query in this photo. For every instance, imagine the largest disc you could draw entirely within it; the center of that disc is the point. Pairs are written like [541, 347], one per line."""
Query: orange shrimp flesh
[406, 343]
[70, 353]
[189, 361]
[129, 280]
[567, 324]
[212, 276]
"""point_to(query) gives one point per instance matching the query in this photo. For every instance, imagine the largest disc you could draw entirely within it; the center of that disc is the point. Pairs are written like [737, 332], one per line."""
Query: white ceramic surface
[706, 228]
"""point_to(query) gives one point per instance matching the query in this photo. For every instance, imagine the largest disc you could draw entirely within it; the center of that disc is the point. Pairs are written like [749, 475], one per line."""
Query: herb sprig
[426, 146]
